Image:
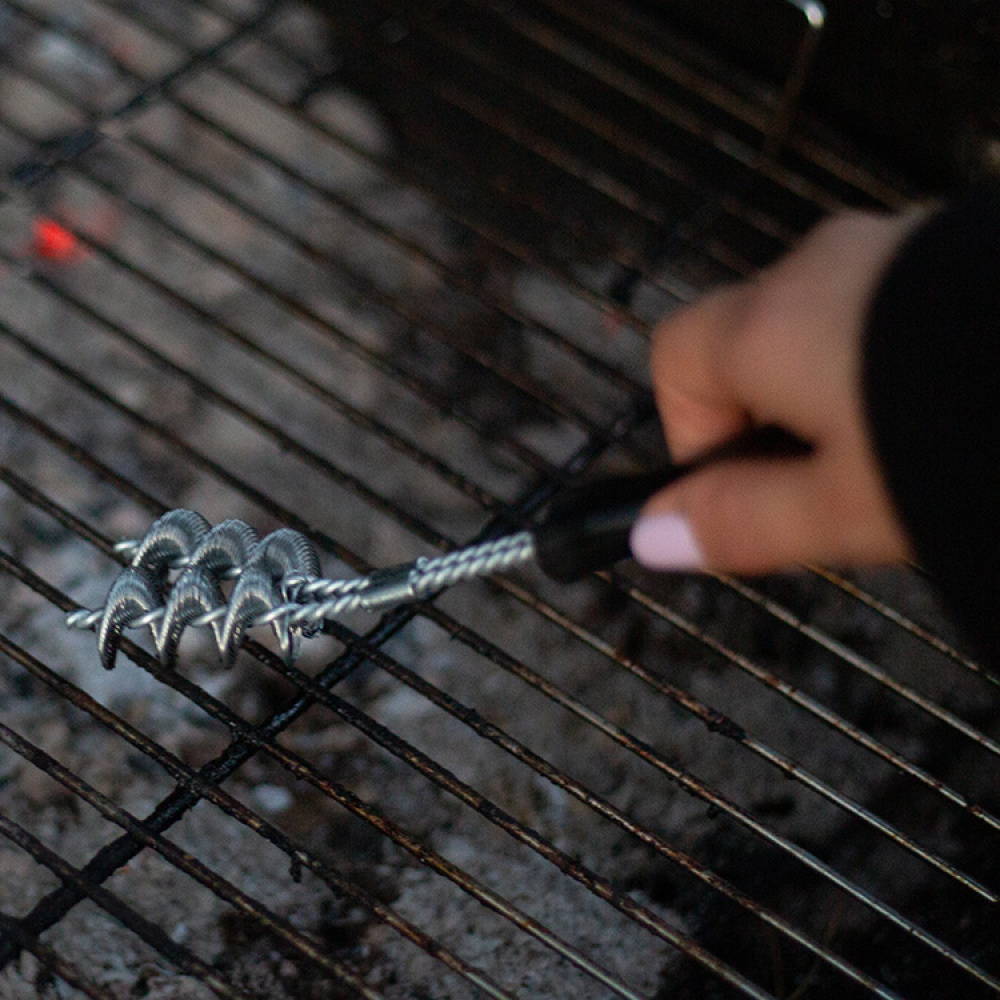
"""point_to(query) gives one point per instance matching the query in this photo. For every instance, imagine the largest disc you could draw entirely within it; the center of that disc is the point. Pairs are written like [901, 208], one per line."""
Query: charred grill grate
[383, 274]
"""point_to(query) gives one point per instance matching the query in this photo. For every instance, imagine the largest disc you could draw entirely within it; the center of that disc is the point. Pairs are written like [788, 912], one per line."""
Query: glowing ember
[54, 242]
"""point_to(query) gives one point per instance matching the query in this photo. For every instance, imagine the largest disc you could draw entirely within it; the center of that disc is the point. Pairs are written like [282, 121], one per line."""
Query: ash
[263, 321]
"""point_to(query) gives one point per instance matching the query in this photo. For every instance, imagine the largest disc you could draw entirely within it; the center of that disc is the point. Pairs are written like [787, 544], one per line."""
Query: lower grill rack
[378, 280]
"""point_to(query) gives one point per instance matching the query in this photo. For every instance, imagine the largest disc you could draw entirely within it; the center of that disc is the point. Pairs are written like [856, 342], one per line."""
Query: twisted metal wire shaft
[277, 583]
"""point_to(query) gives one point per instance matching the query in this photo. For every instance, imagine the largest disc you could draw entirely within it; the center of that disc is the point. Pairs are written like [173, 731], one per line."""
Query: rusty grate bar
[192, 867]
[185, 798]
[52, 967]
[892, 614]
[151, 933]
[231, 806]
[865, 666]
[645, 52]
[810, 705]
[70, 147]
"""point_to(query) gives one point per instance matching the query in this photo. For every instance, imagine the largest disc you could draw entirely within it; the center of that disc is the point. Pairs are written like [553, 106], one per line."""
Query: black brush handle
[587, 528]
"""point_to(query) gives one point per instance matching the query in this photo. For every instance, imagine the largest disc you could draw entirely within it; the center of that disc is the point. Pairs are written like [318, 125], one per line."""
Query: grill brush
[278, 582]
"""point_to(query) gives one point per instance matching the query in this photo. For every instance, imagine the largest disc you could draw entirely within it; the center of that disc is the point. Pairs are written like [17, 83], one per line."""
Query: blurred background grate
[385, 273]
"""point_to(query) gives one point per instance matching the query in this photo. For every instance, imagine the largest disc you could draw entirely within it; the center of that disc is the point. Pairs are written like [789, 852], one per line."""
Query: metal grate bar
[801, 700]
[727, 200]
[52, 966]
[191, 454]
[713, 800]
[175, 856]
[593, 882]
[190, 866]
[692, 123]
[247, 741]
[298, 855]
[498, 241]
[77, 881]
[603, 807]
[71, 147]
[663, 281]
[331, 471]
[695, 230]
[716, 722]
[554, 40]
[646, 53]
[612, 373]
[862, 664]
[719, 723]
[285, 299]
[891, 614]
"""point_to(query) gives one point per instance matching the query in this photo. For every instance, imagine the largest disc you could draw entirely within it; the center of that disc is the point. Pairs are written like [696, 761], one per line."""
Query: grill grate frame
[706, 234]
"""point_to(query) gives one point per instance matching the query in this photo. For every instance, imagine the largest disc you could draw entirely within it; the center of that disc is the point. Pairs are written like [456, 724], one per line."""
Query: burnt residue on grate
[384, 274]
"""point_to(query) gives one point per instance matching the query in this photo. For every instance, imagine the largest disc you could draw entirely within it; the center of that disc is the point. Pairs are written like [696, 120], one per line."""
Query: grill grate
[384, 274]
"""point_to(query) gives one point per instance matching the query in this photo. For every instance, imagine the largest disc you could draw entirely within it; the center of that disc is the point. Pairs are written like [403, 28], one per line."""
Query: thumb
[744, 516]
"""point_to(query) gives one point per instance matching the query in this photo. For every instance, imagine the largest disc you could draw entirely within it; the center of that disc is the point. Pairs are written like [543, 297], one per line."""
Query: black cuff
[932, 389]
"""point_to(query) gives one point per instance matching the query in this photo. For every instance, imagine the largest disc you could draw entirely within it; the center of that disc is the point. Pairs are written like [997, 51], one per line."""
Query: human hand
[784, 348]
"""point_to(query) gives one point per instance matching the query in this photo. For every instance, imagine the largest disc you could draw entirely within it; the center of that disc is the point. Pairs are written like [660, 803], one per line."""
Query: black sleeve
[932, 390]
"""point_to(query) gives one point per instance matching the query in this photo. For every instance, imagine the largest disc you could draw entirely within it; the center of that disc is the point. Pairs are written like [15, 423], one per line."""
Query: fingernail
[665, 541]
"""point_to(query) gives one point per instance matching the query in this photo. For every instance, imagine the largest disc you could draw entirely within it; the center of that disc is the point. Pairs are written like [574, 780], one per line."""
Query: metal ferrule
[388, 587]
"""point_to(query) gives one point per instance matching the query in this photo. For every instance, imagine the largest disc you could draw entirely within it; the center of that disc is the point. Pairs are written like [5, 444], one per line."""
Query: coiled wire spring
[277, 584]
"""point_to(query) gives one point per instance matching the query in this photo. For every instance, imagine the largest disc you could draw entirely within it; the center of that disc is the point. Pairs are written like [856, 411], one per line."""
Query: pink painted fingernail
[665, 541]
